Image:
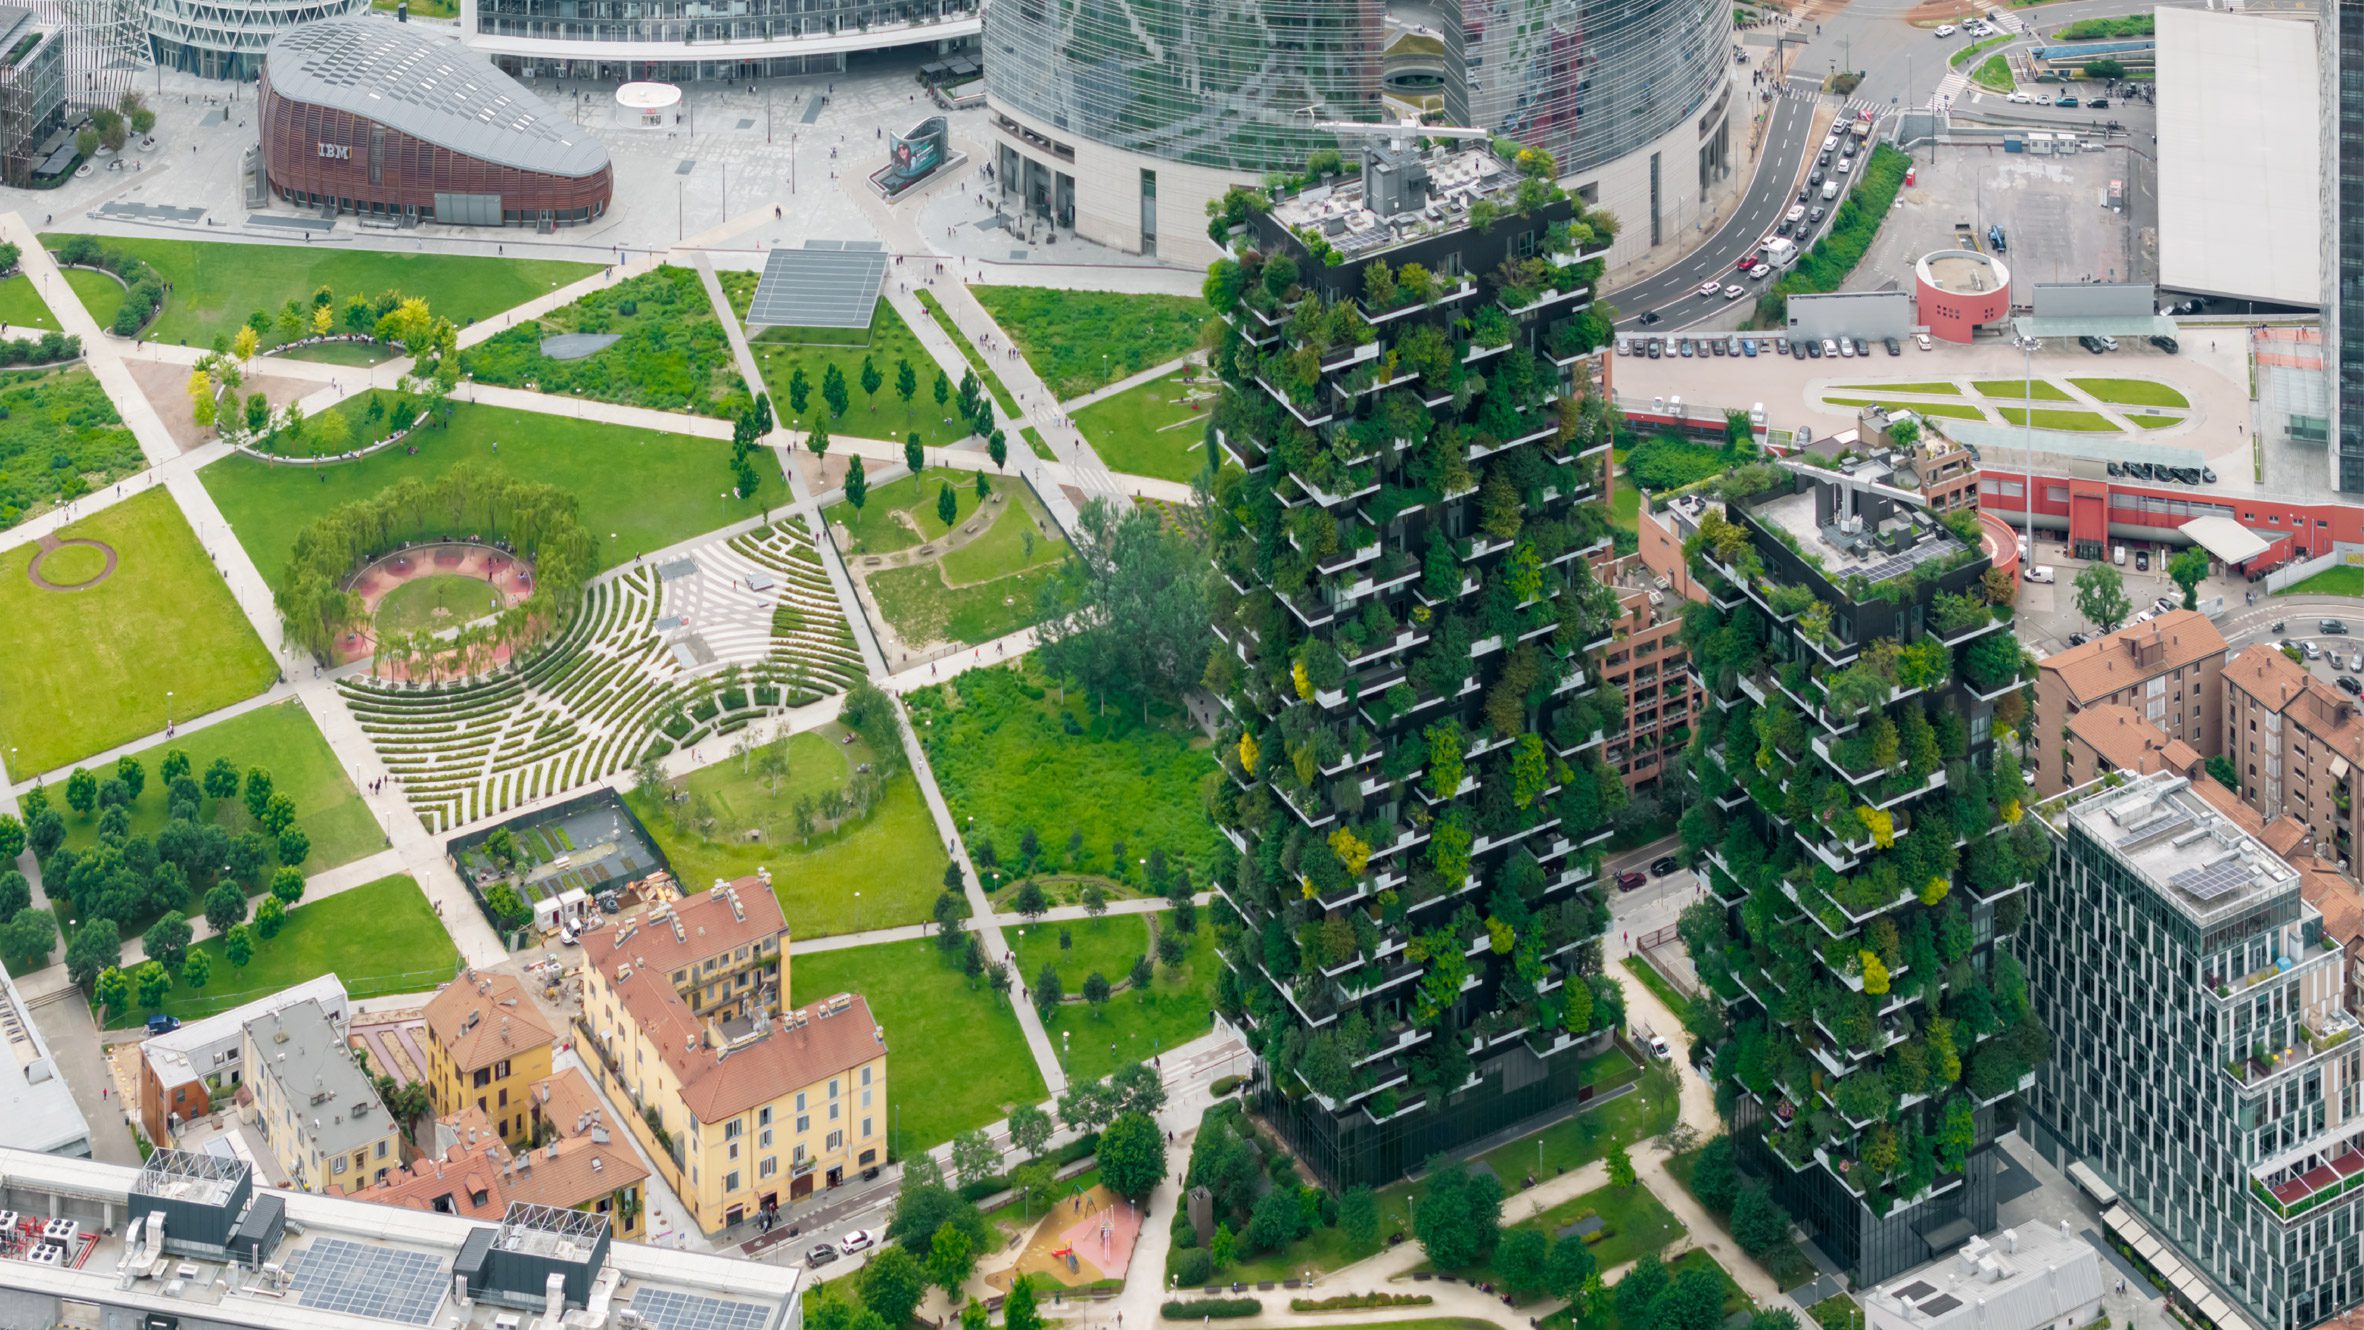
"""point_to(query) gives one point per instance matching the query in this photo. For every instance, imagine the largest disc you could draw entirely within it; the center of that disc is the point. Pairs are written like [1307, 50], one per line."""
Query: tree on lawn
[1358, 1216]
[1095, 992]
[225, 907]
[258, 794]
[1759, 1224]
[81, 791]
[1459, 1216]
[12, 843]
[332, 431]
[857, 484]
[27, 939]
[151, 981]
[983, 486]
[1570, 1267]
[2101, 597]
[800, 391]
[1047, 992]
[96, 946]
[287, 885]
[167, 939]
[269, 918]
[914, 456]
[132, 774]
[947, 506]
[997, 447]
[973, 1157]
[833, 391]
[196, 971]
[1130, 609]
[942, 390]
[1030, 901]
[872, 381]
[818, 439]
[893, 1283]
[1621, 1175]
[221, 780]
[238, 946]
[1030, 1129]
[906, 386]
[951, 1259]
[1019, 1313]
[2189, 568]
[1522, 1259]
[1132, 1156]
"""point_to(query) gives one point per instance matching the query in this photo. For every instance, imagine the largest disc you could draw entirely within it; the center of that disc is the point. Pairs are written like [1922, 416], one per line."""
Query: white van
[2118, 555]
[1830, 190]
[2039, 573]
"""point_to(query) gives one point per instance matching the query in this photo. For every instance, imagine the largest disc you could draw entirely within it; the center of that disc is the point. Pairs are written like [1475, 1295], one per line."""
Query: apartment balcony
[1289, 405]
[2318, 1041]
[1390, 313]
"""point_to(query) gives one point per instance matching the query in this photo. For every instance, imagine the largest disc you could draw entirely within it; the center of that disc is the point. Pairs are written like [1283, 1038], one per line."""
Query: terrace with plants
[1861, 828]
[1413, 777]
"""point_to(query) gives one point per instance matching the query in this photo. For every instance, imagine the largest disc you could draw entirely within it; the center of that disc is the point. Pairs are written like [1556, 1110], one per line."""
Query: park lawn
[1002, 754]
[1109, 944]
[343, 353]
[2021, 389]
[1950, 410]
[1003, 547]
[1625, 504]
[1146, 430]
[1572, 1142]
[380, 937]
[1994, 74]
[2149, 420]
[647, 490]
[924, 608]
[1081, 341]
[215, 285]
[882, 417]
[60, 437]
[1932, 389]
[2341, 581]
[670, 354]
[87, 670]
[963, 1060]
[442, 600]
[1637, 1225]
[282, 740]
[2080, 422]
[1134, 1026]
[936, 311]
[893, 857]
[1042, 451]
[2133, 392]
[101, 294]
[22, 307]
[1788, 1264]
[889, 513]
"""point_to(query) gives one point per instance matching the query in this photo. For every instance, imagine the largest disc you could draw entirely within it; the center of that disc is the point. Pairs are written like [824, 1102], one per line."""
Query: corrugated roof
[430, 88]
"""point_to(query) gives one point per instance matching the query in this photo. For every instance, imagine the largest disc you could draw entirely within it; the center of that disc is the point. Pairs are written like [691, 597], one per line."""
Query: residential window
[764, 1142]
[734, 1128]
[833, 1112]
[763, 1116]
[833, 1087]
[767, 1168]
[730, 1181]
[865, 1099]
[866, 1075]
[804, 1123]
[837, 1140]
[800, 1101]
[338, 1167]
[865, 1128]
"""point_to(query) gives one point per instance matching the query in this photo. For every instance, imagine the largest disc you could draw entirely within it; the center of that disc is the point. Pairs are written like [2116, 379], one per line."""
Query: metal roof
[2226, 539]
[826, 284]
[400, 76]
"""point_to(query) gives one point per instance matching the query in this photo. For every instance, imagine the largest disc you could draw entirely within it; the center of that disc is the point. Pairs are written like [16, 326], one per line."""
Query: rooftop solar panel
[2210, 881]
[818, 287]
[383, 1283]
[664, 1309]
[2157, 827]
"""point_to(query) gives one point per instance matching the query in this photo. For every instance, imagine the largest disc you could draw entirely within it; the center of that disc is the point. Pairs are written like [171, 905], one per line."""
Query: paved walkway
[1149, 375]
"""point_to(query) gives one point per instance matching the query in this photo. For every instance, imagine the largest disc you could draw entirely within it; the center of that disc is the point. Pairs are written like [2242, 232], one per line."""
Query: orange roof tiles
[481, 1018]
[2126, 741]
[685, 932]
[2128, 656]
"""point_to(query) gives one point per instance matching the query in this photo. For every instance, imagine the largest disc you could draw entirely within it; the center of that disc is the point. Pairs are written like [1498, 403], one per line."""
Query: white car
[1945, 29]
[1796, 213]
[1757, 274]
[1829, 141]
[1922, 340]
[2313, 652]
[1831, 349]
[2021, 98]
[1709, 288]
[1846, 164]
[1735, 291]
[1659, 1048]
[861, 1239]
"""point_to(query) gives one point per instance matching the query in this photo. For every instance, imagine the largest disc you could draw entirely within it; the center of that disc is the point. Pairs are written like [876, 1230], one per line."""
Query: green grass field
[987, 588]
[2133, 392]
[380, 937]
[882, 417]
[893, 857]
[100, 293]
[1932, 389]
[1625, 504]
[22, 307]
[992, 381]
[956, 1055]
[2343, 581]
[1002, 756]
[1079, 341]
[2019, 390]
[442, 600]
[1134, 1025]
[60, 437]
[282, 740]
[1636, 1225]
[87, 670]
[1994, 74]
[343, 353]
[925, 609]
[647, 490]
[215, 286]
[1949, 410]
[670, 352]
[2081, 422]
[1150, 429]
[889, 514]
[1109, 944]
[1649, 1109]
[2147, 420]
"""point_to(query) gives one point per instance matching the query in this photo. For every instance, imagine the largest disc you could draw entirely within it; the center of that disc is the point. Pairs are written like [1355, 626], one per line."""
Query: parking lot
[2053, 210]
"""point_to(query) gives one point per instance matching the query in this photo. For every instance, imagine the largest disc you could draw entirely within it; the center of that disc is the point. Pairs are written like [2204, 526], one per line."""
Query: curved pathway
[51, 545]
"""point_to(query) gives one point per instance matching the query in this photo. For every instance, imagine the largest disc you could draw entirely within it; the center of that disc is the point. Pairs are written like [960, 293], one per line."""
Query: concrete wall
[2095, 300]
[1851, 314]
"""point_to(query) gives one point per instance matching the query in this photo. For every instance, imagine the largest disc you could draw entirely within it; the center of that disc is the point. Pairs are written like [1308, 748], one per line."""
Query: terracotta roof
[810, 1044]
[687, 931]
[2130, 655]
[2328, 715]
[2338, 898]
[2285, 836]
[478, 1178]
[481, 1018]
[2123, 739]
[568, 1103]
[572, 1172]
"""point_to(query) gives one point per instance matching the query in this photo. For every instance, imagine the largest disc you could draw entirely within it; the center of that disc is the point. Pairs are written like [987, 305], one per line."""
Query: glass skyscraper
[2343, 237]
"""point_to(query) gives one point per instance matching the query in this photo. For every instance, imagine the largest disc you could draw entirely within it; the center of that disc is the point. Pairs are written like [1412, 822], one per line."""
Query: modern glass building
[32, 92]
[2342, 35]
[106, 43]
[1120, 119]
[2206, 1069]
[225, 39]
[693, 40]
[1858, 818]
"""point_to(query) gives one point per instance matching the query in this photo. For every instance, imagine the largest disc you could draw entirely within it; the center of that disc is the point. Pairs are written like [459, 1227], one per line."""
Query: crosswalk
[1954, 84]
[1811, 92]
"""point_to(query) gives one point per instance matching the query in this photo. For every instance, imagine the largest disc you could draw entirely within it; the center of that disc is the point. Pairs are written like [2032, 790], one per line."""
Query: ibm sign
[340, 152]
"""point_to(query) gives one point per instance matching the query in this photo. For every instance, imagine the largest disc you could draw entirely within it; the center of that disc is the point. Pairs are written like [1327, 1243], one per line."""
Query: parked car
[1664, 865]
[1781, 346]
[2020, 98]
[2164, 603]
[1945, 29]
[1749, 348]
[1995, 238]
[2208, 475]
[1657, 348]
[2142, 561]
[1847, 348]
[2078, 639]
[861, 1239]
[1629, 879]
[1925, 343]
[2116, 470]
[1715, 348]
[2333, 627]
[2166, 344]
[1895, 348]
[1624, 345]
[163, 1024]
[2090, 343]
[1659, 1048]
[2097, 103]
[2037, 572]
[1862, 347]
[2065, 99]
[2108, 343]
[1685, 347]
[1827, 347]
[2347, 684]
[2313, 652]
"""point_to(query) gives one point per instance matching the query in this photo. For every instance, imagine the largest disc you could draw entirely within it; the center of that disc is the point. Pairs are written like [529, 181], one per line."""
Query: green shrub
[1833, 257]
[1226, 1084]
[1193, 1266]
[1185, 1309]
[1667, 462]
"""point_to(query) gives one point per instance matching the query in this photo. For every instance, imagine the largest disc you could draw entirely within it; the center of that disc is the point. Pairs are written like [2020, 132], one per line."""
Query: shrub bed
[1183, 1309]
[1359, 1301]
[1833, 257]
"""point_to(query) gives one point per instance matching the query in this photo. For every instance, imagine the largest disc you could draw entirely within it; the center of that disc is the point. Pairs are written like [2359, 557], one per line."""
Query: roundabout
[71, 565]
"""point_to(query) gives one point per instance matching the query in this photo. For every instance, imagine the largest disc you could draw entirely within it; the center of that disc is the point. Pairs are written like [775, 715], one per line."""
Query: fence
[2290, 574]
[1647, 945]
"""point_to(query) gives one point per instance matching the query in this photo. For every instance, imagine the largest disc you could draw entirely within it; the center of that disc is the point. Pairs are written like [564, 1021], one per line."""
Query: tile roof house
[2169, 671]
[487, 1044]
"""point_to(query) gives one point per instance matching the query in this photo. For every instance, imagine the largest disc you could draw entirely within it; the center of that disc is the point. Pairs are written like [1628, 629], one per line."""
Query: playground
[1086, 1239]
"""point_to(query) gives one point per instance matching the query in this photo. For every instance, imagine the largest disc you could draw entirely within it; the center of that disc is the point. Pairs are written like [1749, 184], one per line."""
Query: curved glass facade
[1227, 83]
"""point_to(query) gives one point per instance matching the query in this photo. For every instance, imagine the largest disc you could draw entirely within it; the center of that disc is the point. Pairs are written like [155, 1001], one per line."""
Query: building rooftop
[1859, 517]
[405, 77]
[34, 1100]
[771, 1057]
[186, 1054]
[2185, 849]
[2133, 654]
[683, 933]
[351, 1265]
[2021, 1279]
[1964, 271]
[483, 1018]
[2283, 685]
[2127, 742]
[568, 1103]
[1399, 197]
[477, 1176]
[304, 1051]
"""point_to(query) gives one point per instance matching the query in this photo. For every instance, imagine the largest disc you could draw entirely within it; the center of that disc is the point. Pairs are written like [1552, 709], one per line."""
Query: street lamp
[167, 713]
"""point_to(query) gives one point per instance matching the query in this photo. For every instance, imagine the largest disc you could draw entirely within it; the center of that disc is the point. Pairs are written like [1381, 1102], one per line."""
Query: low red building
[1959, 291]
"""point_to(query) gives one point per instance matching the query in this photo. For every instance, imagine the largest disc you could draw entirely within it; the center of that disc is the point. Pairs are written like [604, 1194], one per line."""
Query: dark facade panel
[320, 156]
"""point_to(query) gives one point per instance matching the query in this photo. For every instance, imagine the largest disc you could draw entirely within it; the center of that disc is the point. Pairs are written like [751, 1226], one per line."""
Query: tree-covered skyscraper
[1858, 819]
[1406, 523]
